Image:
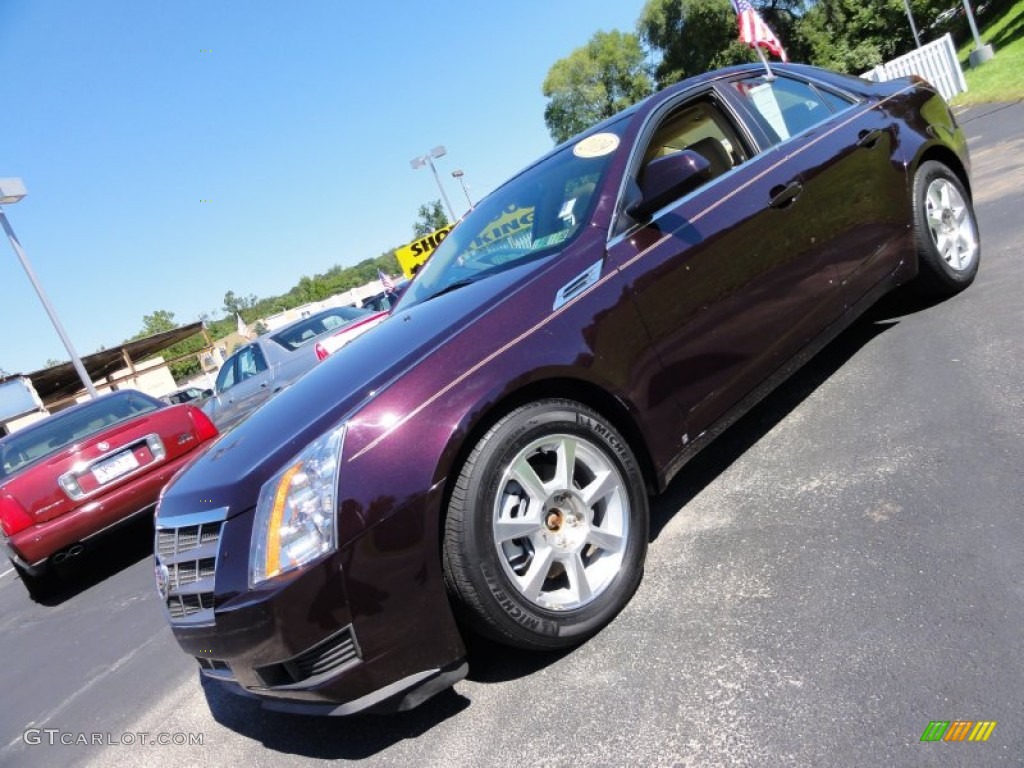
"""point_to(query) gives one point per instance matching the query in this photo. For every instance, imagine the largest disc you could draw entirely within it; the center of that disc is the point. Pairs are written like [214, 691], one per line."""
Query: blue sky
[174, 151]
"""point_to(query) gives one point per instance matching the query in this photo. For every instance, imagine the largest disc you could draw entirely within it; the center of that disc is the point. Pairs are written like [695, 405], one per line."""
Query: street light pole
[913, 26]
[428, 159]
[11, 191]
[981, 52]
[458, 174]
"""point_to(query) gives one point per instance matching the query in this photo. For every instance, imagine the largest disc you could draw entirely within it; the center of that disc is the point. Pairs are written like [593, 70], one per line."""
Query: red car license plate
[114, 467]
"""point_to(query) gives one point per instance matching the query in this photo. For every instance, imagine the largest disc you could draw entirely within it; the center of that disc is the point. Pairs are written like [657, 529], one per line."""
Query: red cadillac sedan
[75, 475]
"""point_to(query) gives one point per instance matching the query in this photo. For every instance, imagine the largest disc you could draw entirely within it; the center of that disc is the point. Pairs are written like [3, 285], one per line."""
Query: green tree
[594, 82]
[158, 322]
[161, 321]
[855, 35]
[429, 217]
[689, 37]
[238, 304]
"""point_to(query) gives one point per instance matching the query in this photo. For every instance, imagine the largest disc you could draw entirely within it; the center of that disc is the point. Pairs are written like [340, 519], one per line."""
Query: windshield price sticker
[598, 145]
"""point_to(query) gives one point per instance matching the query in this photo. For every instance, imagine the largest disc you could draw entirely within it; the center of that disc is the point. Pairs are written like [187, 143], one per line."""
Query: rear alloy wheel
[547, 527]
[945, 230]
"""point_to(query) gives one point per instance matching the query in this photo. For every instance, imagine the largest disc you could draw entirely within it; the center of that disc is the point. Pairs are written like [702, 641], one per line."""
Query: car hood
[231, 473]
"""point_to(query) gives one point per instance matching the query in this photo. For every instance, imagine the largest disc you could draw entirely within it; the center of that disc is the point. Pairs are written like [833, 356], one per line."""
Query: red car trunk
[98, 480]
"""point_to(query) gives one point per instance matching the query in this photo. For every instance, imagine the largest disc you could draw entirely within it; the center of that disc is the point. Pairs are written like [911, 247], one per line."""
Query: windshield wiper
[453, 286]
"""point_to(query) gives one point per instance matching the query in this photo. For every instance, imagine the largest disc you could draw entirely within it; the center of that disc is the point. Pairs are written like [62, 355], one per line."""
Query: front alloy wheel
[561, 521]
[945, 229]
[547, 527]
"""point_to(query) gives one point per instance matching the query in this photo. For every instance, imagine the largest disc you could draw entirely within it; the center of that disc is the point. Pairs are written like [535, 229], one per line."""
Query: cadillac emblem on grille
[163, 580]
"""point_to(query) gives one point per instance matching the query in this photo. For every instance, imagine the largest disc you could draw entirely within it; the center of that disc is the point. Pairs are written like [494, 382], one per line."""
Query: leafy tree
[158, 322]
[594, 82]
[429, 217]
[163, 320]
[689, 37]
[238, 304]
[855, 35]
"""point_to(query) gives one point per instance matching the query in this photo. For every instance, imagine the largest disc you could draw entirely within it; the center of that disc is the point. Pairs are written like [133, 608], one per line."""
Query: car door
[255, 378]
[733, 278]
[242, 385]
[849, 177]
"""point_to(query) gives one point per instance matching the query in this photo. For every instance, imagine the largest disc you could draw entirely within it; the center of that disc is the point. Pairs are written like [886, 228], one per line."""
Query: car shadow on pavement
[354, 737]
[713, 460]
[108, 555]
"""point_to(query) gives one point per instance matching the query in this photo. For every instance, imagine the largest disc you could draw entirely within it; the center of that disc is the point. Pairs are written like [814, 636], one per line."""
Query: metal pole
[981, 52]
[458, 175]
[448, 205]
[974, 27]
[764, 60]
[913, 27]
[47, 306]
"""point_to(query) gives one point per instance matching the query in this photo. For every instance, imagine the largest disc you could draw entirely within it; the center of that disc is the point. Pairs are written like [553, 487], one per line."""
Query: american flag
[386, 282]
[754, 32]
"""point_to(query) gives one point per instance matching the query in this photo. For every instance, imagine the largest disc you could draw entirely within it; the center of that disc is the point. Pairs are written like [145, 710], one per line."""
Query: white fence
[936, 62]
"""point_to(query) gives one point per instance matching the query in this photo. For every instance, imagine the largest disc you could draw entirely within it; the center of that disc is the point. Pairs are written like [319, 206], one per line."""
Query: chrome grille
[189, 553]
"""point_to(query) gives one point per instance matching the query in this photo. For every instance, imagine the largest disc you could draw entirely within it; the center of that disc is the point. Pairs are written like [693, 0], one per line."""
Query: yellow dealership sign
[512, 225]
[411, 256]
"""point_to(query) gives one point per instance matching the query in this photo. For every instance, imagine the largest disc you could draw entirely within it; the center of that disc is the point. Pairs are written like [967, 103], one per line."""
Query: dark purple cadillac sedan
[483, 458]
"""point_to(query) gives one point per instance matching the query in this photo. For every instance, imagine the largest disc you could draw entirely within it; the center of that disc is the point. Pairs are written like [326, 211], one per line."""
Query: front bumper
[365, 628]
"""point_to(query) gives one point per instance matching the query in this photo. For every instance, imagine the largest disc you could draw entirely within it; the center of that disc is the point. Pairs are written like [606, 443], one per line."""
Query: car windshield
[57, 432]
[538, 212]
[301, 333]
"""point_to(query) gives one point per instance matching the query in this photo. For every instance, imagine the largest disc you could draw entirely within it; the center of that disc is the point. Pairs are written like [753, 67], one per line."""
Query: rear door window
[250, 363]
[784, 107]
[226, 378]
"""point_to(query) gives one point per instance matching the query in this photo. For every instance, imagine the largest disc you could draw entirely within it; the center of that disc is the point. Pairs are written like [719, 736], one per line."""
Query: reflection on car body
[484, 460]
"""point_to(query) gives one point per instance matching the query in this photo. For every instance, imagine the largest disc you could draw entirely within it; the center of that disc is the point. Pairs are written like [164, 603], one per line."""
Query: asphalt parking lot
[841, 568]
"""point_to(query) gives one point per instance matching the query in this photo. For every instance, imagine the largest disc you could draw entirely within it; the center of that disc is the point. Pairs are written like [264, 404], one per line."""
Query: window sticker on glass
[598, 145]
[566, 213]
[553, 239]
[764, 99]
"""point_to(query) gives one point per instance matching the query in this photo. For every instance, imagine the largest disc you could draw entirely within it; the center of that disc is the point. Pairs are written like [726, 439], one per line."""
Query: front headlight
[296, 511]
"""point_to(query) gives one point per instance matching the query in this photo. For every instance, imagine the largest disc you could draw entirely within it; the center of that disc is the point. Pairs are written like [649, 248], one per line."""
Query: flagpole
[764, 60]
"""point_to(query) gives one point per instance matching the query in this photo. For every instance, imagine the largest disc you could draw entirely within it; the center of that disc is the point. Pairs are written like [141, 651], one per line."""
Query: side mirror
[207, 393]
[668, 178]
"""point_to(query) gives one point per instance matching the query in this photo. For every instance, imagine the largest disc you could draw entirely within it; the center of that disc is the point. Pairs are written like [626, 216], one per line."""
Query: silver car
[270, 363]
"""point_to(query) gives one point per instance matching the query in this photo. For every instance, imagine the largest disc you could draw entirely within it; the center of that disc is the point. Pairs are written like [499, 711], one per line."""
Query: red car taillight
[204, 427]
[321, 353]
[13, 516]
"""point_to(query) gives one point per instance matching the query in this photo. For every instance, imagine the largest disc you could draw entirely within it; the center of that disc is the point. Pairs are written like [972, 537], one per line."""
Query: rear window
[301, 333]
[57, 432]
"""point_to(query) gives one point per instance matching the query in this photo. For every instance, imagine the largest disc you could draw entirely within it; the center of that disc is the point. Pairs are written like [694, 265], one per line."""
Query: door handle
[868, 139]
[783, 196]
